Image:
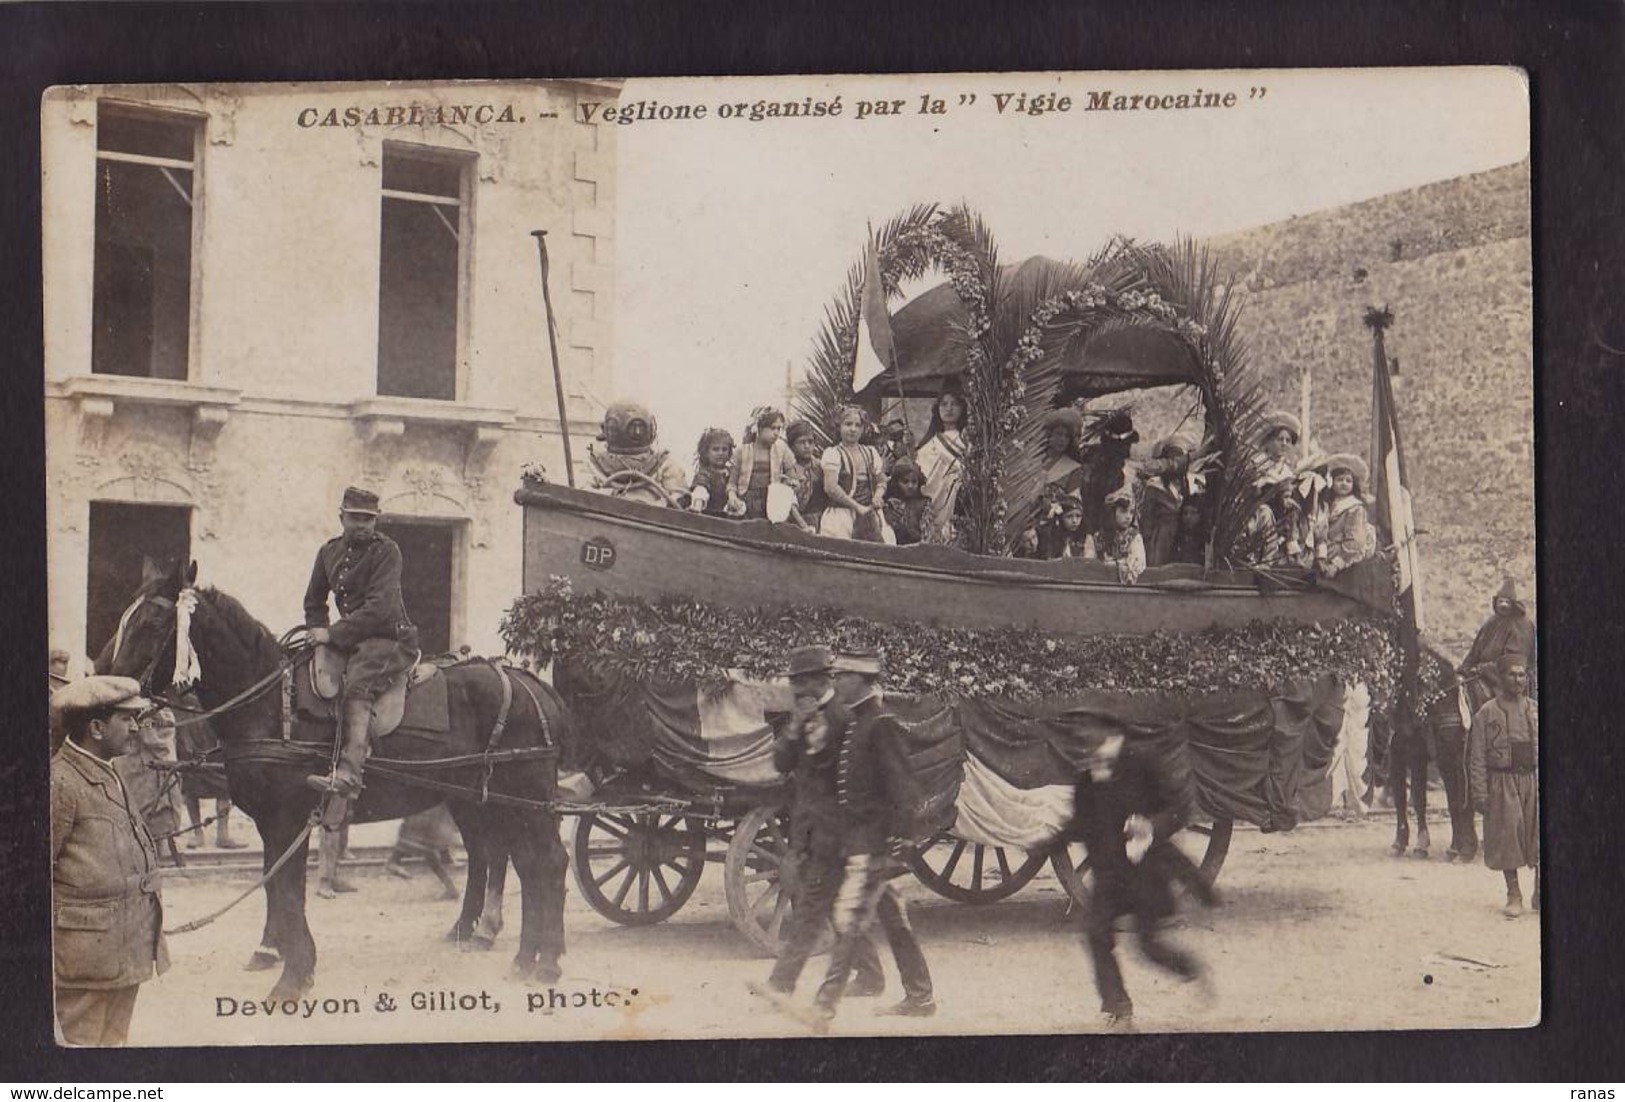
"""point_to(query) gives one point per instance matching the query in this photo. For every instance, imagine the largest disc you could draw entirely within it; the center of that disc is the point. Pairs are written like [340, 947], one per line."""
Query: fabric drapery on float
[998, 772]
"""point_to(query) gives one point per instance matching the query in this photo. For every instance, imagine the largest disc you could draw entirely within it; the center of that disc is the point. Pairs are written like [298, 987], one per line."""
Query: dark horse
[502, 807]
[1427, 730]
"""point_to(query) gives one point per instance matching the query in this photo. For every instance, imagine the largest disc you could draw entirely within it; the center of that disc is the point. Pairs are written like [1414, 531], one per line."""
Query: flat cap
[98, 691]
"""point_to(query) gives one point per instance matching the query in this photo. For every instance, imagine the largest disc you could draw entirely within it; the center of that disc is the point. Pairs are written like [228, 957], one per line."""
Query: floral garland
[991, 404]
[675, 641]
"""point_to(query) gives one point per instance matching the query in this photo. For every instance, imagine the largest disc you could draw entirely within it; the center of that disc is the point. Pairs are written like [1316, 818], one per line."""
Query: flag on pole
[1389, 487]
[876, 351]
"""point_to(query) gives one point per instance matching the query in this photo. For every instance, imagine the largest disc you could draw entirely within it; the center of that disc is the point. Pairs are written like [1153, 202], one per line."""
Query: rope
[199, 923]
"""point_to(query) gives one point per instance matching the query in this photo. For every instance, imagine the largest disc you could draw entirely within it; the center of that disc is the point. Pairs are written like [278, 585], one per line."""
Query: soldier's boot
[345, 780]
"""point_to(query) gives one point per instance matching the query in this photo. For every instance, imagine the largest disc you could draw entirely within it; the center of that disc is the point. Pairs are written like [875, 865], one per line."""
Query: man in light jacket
[107, 915]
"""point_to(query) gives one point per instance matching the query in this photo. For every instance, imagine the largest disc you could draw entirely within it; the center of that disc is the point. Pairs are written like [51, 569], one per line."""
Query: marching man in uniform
[877, 799]
[807, 751]
[106, 915]
[362, 571]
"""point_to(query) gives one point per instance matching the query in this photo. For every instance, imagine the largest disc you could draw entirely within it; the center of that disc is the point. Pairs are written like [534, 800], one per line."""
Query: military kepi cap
[810, 659]
[357, 500]
[856, 660]
[96, 692]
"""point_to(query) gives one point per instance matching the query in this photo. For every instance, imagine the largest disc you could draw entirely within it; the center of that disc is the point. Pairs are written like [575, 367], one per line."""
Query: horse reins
[287, 753]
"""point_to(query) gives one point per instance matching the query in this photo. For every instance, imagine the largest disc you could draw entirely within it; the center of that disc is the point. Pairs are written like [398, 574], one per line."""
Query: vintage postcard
[791, 557]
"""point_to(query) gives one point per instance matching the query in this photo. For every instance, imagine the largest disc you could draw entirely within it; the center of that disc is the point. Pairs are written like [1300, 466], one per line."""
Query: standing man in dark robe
[361, 569]
[806, 751]
[1124, 793]
[876, 795]
[1507, 633]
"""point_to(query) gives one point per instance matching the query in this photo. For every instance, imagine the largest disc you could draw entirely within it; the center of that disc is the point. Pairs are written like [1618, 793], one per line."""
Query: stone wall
[1452, 261]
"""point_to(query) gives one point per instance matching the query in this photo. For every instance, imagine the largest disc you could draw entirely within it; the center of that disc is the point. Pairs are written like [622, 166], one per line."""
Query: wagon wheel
[761, 879]
[970, 872]
[638, 869]
[1071, 862]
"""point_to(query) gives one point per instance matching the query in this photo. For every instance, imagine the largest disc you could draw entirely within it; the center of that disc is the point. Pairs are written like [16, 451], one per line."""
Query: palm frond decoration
[965, 247]
[1019, 335]
[1232, 391]
[827, 385]
[1038, 387]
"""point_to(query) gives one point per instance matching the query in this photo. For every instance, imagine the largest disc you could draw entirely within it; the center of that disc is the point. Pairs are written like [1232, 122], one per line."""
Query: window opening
[142, 284]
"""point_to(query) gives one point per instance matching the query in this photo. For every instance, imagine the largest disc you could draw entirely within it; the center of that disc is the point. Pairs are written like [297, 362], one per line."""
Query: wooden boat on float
[630, 549]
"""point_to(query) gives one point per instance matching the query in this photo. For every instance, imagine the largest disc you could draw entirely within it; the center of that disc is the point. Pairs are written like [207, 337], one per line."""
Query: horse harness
[288, 751]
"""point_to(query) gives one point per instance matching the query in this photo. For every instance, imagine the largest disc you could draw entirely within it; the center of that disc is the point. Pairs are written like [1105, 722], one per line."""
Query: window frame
[466, 163]
[197, 122]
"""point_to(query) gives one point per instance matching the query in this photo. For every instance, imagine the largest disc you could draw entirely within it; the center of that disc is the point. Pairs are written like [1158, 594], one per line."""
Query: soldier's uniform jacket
[365, 581]
[874, 786]
[815, 816]
[1491, 749]
[107, 916]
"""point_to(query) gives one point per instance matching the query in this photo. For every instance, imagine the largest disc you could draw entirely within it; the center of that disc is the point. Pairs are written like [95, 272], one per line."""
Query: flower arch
[1017, 335]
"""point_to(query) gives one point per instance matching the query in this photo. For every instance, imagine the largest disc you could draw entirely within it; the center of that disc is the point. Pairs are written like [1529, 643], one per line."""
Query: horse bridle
[251, 693]
[118, 637]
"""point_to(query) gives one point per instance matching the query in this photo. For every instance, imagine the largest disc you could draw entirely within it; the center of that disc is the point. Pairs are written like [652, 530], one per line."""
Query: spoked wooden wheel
[638, 869]
[1071, 862]
[970, 872]
[761, 879]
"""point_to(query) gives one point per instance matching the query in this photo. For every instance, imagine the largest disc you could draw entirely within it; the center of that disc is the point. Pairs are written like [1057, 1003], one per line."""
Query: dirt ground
[1321, 930]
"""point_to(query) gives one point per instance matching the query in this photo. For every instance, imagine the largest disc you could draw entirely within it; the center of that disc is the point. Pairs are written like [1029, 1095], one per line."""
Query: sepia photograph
[791, 557]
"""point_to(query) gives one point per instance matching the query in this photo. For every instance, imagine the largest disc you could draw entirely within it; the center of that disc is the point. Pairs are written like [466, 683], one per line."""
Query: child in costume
[853, 480]
[764, 458]
[1064, 536]
[1119, 544]
[1274, 531]
[809, 476]
[908, 510]
[712, 491]
[1349, 537]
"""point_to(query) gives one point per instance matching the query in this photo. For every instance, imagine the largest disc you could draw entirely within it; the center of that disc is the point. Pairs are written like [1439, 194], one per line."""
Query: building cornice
[97, 399]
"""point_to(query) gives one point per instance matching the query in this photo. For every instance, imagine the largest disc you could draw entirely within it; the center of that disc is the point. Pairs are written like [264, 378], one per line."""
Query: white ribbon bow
[187, 670]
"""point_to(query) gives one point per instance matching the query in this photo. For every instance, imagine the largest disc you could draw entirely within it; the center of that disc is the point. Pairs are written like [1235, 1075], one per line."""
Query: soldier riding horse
[495, 763]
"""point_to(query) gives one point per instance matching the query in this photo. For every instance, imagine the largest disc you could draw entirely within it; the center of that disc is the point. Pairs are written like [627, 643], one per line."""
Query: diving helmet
[629, 427]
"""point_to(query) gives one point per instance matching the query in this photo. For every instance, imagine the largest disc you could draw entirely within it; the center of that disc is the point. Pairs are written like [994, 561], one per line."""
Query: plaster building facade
[257, 296]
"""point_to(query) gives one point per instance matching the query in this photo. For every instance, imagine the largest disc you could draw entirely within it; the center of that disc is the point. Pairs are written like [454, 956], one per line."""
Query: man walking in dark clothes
[876, 797]
[805, 750]
[1124, 793]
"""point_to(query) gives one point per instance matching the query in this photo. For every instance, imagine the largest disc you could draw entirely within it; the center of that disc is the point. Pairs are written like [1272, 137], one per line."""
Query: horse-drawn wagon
[666, 629]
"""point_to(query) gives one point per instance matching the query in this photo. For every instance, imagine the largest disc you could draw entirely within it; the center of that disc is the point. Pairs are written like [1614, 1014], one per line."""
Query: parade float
[667, 631]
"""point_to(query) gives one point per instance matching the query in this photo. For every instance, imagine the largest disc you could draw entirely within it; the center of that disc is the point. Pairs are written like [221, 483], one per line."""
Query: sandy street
[1321, 930]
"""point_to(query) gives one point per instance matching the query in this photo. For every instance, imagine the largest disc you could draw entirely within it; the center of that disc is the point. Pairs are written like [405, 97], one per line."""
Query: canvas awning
[930, 333]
